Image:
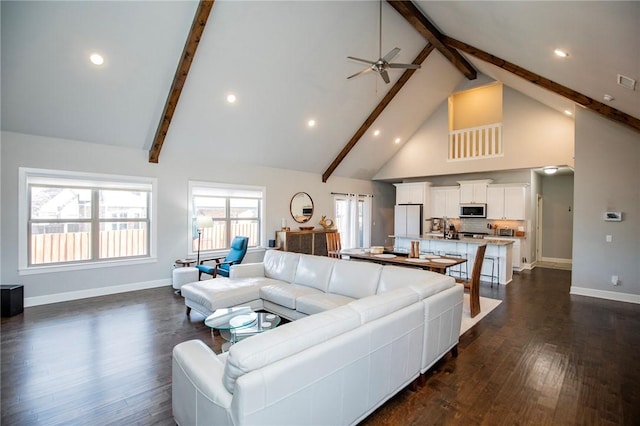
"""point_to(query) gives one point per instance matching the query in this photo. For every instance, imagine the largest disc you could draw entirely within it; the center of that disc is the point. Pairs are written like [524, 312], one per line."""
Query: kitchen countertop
[487, 240]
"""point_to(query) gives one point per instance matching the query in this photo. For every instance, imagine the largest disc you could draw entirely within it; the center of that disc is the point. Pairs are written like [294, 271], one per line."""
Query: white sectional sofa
[362, 332]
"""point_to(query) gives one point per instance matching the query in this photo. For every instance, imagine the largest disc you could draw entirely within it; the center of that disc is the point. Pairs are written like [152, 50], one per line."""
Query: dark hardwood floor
[542, 357]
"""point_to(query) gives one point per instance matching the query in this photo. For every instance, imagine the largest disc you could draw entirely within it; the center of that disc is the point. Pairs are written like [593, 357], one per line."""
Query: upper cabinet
[507, 202]
[415, 193]
[445, 201]
[410, 193]
[474, 191]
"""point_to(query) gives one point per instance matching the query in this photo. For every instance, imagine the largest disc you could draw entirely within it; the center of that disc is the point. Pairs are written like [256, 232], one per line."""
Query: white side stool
[182, 276]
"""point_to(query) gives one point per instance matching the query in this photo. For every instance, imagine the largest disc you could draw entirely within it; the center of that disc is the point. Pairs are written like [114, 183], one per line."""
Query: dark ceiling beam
[421, 23]
[545, 83]
[188, 53]
[377, 111]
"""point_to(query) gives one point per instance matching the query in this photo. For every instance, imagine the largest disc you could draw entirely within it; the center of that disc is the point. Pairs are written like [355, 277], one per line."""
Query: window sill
[46, 269]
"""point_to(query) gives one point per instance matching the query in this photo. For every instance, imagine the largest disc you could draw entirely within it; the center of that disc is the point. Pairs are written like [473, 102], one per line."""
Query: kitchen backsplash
[477, 225]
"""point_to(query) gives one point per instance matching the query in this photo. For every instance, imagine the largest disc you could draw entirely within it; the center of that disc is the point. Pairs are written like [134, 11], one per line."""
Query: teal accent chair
[221, 267]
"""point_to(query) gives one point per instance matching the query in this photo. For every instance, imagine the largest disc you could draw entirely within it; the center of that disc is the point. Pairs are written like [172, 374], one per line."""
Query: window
[353, 219]
[219, 212]
[78, 219]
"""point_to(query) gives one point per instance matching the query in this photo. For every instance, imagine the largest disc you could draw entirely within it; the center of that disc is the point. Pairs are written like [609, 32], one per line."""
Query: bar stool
[459, 270]
[493, 260]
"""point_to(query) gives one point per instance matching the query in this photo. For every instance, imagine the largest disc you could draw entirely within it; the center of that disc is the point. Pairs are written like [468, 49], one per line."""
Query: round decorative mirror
[301, 207]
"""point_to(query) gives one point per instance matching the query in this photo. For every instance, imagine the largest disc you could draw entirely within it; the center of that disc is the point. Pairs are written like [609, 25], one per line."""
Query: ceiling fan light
[550, 170]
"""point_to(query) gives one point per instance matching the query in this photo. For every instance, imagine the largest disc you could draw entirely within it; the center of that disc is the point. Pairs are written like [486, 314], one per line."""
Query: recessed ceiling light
[96, 59]
[397, 140]
[561, 53]
[376, 132]
[231, 98]
[608, 98]
[550, 170]
[311, 123]
[567, 112]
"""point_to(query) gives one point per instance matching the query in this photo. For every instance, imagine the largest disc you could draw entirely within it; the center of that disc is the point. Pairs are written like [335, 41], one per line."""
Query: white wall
[176, 167]
[534, 135]
[606, 179]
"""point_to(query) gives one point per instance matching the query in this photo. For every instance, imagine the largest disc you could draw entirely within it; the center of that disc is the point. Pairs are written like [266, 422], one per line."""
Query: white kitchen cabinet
[515, 202]
[506, 202]
[410, 193]
[445, 201]
[474, 192]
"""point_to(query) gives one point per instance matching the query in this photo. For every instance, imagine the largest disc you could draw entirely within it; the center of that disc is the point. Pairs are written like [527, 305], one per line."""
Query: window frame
[229, 189]
[94, 182]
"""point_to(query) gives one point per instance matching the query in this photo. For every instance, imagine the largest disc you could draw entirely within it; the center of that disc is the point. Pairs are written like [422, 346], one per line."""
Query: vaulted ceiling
[286, 62]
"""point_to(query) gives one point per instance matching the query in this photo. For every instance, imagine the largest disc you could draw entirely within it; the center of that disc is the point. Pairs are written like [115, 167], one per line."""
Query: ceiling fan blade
[405, 66]
[385, 76]
[361, 60]
[392, 54]
[366, 70]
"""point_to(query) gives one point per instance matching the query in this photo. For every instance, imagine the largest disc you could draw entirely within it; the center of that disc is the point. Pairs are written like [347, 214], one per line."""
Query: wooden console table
[307, 242]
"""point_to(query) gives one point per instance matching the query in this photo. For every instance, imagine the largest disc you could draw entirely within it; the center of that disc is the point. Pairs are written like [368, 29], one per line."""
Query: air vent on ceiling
[627, 82]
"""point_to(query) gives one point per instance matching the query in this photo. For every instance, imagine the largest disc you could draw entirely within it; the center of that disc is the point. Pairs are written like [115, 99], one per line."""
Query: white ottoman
[182, 276]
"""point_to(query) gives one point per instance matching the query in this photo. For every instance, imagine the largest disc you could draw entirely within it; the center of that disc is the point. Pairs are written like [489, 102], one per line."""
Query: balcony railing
[476, 142]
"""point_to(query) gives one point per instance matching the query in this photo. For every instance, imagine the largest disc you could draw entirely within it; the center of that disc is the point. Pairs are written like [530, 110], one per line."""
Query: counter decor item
[415, 249]
[306, 228]
[326, 223]
[377, 249]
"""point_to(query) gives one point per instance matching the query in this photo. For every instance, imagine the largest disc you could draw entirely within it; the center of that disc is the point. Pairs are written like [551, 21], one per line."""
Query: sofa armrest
[246, 270]
[198, 394]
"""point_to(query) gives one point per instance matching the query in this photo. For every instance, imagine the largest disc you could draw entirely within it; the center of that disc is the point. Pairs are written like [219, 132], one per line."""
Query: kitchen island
[501, 251]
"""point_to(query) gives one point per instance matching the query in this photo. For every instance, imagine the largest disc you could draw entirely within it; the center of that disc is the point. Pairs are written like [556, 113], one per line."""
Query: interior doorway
[539, 215]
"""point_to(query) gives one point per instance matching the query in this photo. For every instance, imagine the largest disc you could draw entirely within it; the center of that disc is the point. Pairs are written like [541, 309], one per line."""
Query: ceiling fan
[382, 64]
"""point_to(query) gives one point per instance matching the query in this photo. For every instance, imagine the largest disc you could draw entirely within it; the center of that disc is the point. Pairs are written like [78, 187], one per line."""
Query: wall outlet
[614, 280]
[609, 238]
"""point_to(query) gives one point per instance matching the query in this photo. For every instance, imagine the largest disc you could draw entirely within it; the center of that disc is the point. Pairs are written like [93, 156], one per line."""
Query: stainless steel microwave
[473, 210]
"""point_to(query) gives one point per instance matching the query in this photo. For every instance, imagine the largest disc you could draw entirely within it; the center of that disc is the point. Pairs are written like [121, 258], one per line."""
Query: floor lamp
[201, 223]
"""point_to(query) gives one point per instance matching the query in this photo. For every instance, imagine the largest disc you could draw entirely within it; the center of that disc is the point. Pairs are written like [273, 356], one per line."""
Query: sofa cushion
[223, 292]
[354, 279]
[280, 265]
[285, 294]
[374, 307]
[272, 346]
[314, 271]
[425, 283]
[314, 303]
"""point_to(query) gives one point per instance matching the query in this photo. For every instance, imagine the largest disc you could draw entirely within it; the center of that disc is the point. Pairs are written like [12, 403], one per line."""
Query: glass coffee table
[235, 324]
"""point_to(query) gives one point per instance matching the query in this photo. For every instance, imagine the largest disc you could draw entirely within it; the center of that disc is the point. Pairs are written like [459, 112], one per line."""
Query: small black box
[12, 300]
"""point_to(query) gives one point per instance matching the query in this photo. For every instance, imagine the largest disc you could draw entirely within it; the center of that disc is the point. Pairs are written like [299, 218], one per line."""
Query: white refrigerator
[408, 220]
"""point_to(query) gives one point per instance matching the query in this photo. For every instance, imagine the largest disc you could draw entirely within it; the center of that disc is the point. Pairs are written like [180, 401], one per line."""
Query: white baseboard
[556, 260]
[93, 292]
[604, 294]
[526, 266]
